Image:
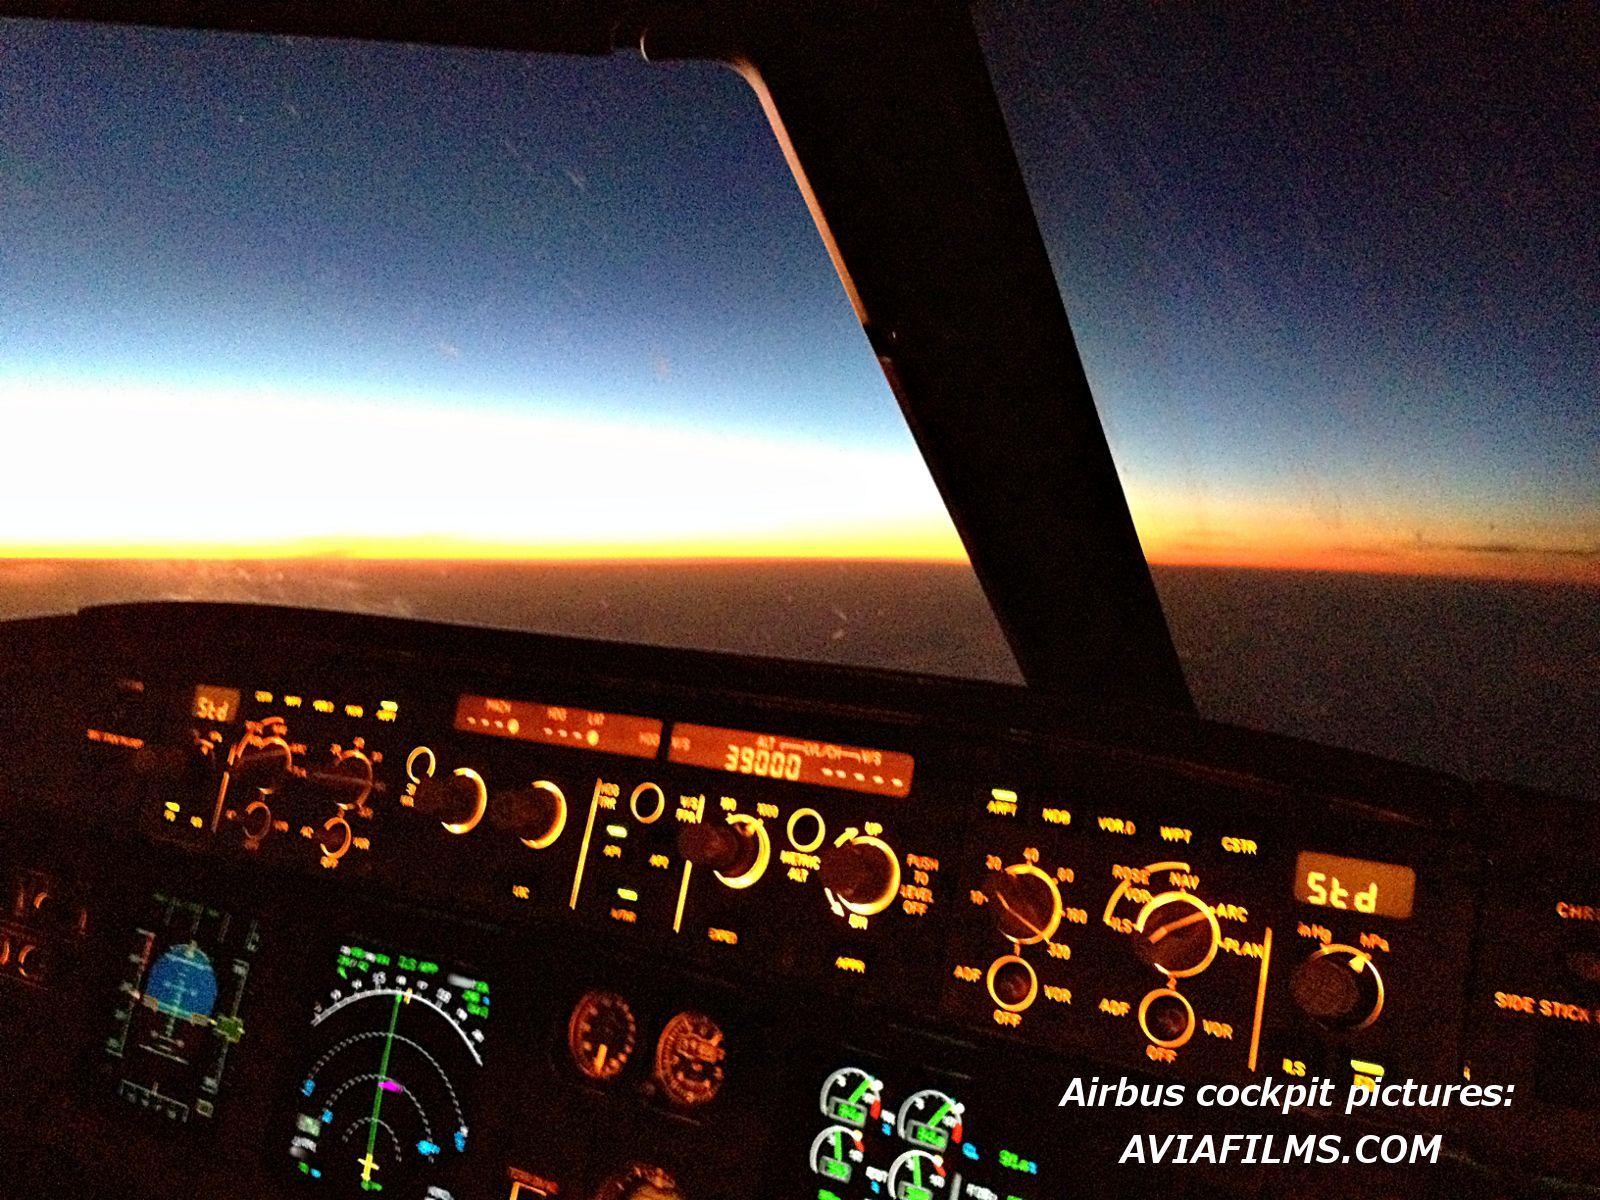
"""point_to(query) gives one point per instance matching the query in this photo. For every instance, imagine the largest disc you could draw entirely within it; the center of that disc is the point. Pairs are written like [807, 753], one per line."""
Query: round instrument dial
[601, 1035]
[690, 1059]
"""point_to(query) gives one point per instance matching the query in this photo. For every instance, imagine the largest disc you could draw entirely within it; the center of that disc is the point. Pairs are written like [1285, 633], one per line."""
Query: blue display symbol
[308, 1087]
[461, 1141]
[970, 1150]
[427, 1149]
[182, 983]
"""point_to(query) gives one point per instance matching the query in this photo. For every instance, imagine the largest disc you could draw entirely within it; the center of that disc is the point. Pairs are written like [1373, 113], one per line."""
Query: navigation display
[177, 1017]
[395, 1046]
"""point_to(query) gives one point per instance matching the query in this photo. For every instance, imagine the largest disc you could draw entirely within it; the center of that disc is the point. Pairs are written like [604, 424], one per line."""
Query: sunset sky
[1338, 304]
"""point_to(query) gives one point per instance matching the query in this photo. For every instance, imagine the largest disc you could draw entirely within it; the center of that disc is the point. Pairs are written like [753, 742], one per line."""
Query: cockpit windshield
[552, 343]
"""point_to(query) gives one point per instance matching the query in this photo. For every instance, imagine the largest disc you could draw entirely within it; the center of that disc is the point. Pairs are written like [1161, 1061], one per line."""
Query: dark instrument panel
[317, 904]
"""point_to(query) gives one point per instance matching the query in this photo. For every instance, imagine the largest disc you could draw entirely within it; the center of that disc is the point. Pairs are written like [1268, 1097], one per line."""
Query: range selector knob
[1178, 934]
[640, 1181]
[861, 873]
[536, 814]
[1025, 903]
[458, 799]
[737, 849]
[1339, 987]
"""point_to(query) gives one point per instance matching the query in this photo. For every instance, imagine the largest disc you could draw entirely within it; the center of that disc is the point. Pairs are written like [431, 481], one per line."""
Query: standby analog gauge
[690, 1059]
[601, 1035]
[852, 1097]
[931, 1119]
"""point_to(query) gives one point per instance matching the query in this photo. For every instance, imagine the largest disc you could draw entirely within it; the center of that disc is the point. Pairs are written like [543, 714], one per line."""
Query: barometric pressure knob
[459, 799]
[861, 874]
[1025, 903]
[737, 849]
[1339, 987]
[537, 814]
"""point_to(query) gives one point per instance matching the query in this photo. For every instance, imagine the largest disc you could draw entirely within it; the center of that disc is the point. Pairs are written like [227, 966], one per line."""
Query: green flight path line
[377, 1092]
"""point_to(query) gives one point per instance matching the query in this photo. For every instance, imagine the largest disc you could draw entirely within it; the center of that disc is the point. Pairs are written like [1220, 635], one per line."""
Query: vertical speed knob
[861, 873]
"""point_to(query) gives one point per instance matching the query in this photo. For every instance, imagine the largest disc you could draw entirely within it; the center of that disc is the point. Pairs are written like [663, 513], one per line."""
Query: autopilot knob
[861, 873]
[737, 849]
[536, 814]
[1339, 987]
[1024, 902]
[458, 800]
[640, 1181]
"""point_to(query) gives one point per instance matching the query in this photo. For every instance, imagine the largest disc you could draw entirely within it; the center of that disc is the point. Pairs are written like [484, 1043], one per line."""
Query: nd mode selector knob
[1339, 987]
[1178, 934]
[861, 873]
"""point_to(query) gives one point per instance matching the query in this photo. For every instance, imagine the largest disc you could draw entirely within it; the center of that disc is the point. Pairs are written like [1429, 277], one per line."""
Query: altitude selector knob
[862, 873]
[1339, 987]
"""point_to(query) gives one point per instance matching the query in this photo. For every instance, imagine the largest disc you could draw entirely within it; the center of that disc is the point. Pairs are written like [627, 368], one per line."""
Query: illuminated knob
[861, 873]
[336, 839]
[1166, 1018]
[259, 762]
[1012, 982]
[257, 820]
[536, 814]
[737, 849]
[1025, 903]
[347, 781]
[1339, 987]
[459, 799]
[1178, 934]
[641, 1181]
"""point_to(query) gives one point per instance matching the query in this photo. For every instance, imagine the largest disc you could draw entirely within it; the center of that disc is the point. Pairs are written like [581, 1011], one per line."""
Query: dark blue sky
[1334, 271]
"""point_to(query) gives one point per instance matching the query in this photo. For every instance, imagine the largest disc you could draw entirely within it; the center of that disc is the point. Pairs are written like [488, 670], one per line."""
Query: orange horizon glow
[329, 477]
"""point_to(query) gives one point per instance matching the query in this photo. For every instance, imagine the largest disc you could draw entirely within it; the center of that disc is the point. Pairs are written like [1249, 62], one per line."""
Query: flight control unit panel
[342, 907]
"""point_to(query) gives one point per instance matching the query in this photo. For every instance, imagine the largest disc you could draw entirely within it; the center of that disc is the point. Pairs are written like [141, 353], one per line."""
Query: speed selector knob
[861, 873]
[537, 814]
[737, 849]
[459, 799]
[1339, 987]
[1025, 903]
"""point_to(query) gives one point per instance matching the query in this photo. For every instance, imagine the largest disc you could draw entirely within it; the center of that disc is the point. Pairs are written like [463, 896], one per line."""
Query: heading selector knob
[1339, 987]
[861, 873]
[459, 799]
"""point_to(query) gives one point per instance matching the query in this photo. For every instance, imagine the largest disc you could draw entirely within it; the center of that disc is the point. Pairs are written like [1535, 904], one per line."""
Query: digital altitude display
[212, 703]
[799, 760]
[395, 1048]
[1354, 884]
[177, 1017]
[559, 725]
